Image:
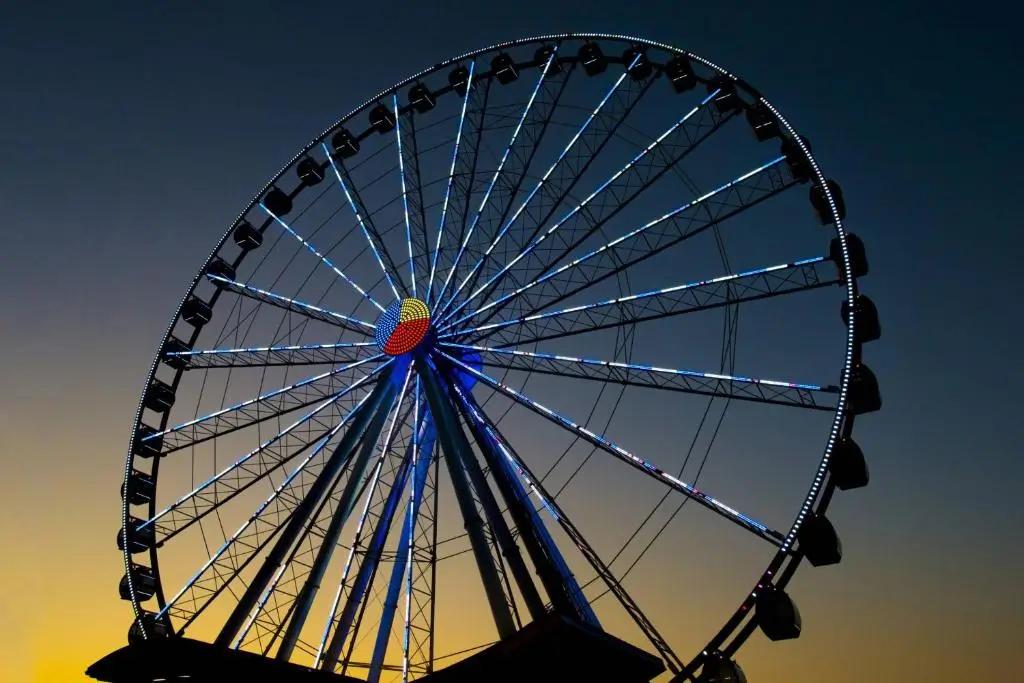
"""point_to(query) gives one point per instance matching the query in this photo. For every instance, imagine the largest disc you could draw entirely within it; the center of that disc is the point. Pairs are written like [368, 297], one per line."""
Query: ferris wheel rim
[821, 488]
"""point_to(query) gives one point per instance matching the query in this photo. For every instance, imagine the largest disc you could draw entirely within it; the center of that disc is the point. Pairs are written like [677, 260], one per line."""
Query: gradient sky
[129, 135]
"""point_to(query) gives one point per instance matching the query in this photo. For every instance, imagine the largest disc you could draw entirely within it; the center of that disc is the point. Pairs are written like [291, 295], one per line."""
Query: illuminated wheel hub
[402, 327]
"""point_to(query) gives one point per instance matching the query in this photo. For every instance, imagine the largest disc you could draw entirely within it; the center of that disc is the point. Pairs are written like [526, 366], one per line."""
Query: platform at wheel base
[550, 650]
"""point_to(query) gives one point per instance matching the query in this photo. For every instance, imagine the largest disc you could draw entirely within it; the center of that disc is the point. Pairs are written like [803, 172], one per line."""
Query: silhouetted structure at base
[552, 650]
[184, 659]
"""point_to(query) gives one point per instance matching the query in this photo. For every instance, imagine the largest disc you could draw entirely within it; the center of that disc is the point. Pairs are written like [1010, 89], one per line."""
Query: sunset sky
[116, 126]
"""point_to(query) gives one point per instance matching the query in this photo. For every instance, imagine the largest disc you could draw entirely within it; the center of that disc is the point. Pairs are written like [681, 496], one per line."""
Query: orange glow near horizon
[60, 610]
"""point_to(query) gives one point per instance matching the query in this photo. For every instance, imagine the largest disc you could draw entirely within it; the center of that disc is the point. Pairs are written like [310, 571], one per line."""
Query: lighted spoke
[324, 259]
[681, 134]
[250, 468]
[649, 376]
[294, 305]
[327, 655]
[471, 275]
[652, 237]
[451, 176]
[403, 569]
[494, 179]
[704, 499]
[748, 285]
[269, 405]
[376, 244]
[405, 193]
[223, 566]
[260, 356]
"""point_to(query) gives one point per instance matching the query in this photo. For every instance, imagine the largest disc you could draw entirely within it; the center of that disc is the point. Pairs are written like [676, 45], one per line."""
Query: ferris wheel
[558, 342]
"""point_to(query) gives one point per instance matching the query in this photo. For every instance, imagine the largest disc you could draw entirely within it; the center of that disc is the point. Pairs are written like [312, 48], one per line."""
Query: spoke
[369, 231]
[451, 176]
[257, 531]
[294, 305]
[750, 524]
[549, 503]
[262, 604]
[630, 98]
[263, 356]
[272, 404]
[291, 526]
[252, 467]
[465, 180]
[420, 537]
[749, 285]
[652, 237]
[494, 178]
[300, 550]
[652, 377]
[405, 193]
[622, 187]
[326, 261]
[372, 556]
[306, 569]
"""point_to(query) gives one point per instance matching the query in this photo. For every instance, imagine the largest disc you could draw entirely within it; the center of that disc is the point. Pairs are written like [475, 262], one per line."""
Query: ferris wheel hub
[403, 326]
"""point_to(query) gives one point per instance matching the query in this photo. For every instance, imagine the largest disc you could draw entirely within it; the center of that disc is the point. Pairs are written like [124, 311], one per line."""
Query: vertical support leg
[506, 544]
[562, 588]
[456, 450]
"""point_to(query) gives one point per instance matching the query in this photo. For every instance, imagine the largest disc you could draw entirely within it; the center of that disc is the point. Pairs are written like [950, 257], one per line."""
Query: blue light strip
[512, 466]
[275, 392]
[402, 569]
[619, 240]
[267, 349]
[451, 176]
[494, 179]
[291, 302]
[405, 193]
[544, 178]
[579, 207]
[633, 297]
[635, 461]
[266, 444]
[421, 468]
[326, 261]
[641, 368]
[359, 219]
[385, 448]
[505, 452]
[259, 510]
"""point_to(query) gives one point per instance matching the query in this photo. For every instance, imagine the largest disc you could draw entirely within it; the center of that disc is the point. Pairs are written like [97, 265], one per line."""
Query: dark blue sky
[127, 131]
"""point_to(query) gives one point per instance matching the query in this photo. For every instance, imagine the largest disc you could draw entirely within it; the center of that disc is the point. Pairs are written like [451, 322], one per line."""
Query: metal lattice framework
[545, 230]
